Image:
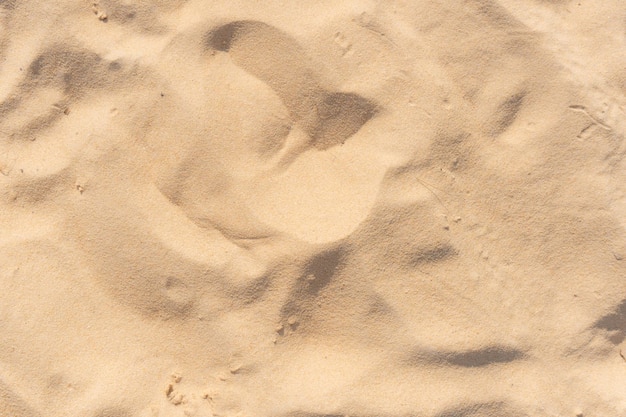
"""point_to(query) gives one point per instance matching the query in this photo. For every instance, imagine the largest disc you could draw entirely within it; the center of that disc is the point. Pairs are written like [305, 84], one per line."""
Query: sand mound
[354, 208]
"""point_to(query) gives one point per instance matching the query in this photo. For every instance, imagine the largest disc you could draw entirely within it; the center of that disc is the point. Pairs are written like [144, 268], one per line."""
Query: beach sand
[321, 208]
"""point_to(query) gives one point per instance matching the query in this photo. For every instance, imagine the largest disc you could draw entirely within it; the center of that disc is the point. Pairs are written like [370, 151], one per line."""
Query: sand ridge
[317, 209]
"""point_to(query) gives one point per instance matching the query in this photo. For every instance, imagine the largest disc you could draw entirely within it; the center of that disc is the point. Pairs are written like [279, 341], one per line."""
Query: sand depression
[347, 208]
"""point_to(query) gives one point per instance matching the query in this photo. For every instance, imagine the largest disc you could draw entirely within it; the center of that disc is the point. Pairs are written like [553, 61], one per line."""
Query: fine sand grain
[315, 208]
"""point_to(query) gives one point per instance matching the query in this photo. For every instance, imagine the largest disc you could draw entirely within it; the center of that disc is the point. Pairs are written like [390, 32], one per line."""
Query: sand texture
[313, 208]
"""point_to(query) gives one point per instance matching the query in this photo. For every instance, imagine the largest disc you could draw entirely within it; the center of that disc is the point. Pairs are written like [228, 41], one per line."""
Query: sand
[313, 208]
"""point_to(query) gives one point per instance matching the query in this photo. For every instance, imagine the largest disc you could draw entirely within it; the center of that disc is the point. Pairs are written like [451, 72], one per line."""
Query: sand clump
[354, 208]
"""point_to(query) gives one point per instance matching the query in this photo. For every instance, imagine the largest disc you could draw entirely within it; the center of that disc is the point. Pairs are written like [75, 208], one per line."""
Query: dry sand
[384, 208]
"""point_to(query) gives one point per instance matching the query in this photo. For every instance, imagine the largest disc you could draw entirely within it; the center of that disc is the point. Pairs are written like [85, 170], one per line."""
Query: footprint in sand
[279, 153]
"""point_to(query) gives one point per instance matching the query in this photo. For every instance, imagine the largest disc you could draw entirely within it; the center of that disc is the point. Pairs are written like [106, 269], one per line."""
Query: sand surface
[315, 208]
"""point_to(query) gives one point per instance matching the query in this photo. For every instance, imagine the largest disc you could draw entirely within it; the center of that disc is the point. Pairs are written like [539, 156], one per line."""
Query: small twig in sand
[430, 188]
[597, 121]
